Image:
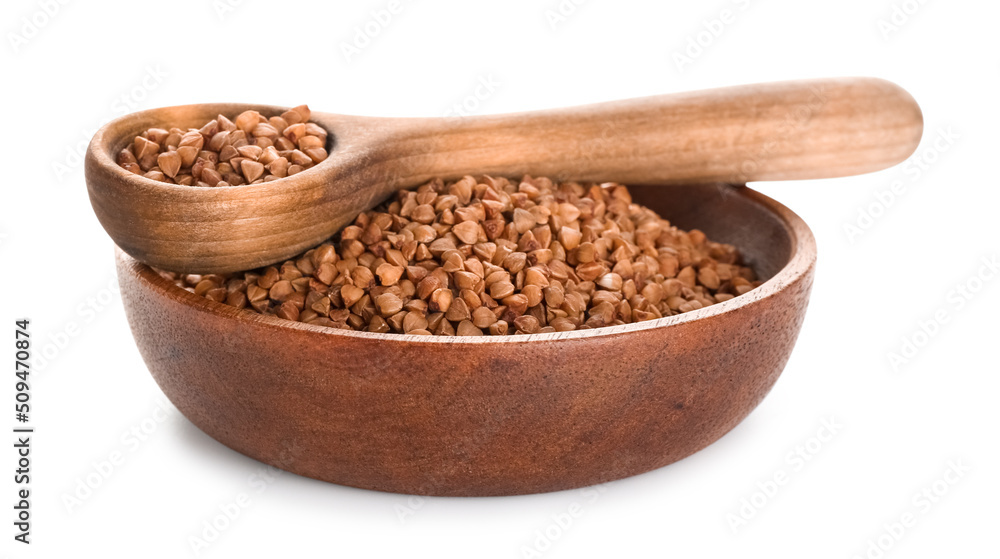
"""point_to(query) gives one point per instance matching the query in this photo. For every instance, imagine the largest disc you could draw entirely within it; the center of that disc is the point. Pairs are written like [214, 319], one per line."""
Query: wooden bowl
[487, 415]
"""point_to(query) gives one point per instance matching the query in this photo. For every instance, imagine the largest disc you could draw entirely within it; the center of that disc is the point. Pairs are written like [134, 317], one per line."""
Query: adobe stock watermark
[413, 504]
[128, 101]
[29, 26]
[956, 299]
[130, 441]
[795, 460]
[485, 87]
[366, 32]
[470, 444]
[899, 15]
[432, 481]
[913, 170]
[561, 12]
[223, 8]
[921, 503]
[711, 30]
[228, 512]
[792, 125]
[86, 312]
[596, 146]
[543, 538]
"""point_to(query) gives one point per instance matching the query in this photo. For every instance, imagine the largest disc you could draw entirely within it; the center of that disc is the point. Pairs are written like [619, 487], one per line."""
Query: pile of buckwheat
[493, 256]
[248, 150]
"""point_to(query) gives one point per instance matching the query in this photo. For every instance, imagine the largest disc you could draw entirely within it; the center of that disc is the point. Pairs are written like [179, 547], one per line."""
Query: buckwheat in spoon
[248, 191]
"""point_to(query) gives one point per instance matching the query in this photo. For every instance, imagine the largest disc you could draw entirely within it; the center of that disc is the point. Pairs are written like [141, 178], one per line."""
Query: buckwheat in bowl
[486, 340]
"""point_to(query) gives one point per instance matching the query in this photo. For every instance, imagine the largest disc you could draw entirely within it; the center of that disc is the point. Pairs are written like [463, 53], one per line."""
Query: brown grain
[250, 149]
[477, 256]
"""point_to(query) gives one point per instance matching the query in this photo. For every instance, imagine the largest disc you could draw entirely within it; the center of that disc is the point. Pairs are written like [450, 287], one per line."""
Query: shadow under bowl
[478, 416]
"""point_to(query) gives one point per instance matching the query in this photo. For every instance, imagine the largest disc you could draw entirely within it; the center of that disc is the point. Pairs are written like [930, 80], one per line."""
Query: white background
[899, 426]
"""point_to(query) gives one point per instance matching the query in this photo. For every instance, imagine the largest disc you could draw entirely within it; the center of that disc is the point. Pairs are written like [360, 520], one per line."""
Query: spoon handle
[774, 131]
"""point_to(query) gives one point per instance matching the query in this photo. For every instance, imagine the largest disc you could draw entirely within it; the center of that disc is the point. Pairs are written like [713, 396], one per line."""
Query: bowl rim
[801, 261]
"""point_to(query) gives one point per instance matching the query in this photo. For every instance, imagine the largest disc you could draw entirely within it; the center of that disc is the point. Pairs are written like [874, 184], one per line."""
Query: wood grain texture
[777, 131]
[436, 415]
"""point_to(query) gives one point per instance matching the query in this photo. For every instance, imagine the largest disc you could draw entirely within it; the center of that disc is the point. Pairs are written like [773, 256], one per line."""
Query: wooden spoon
[777, 131]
